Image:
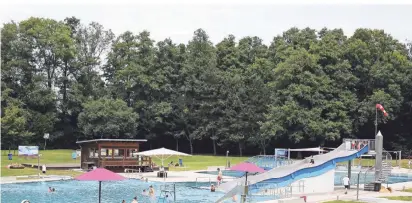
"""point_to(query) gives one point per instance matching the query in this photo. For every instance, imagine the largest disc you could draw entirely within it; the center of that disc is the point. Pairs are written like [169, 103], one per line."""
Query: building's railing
[123, 163]
[133, 173]
[357, 144]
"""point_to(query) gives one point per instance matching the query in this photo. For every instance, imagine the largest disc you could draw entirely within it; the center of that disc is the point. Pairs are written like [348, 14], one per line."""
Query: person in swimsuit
[219, 176]
[212, 188]
[151, 191]
[312, 161]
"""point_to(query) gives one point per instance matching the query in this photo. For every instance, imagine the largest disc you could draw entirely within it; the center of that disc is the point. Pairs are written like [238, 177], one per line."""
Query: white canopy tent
[161, 153]
[315, 149]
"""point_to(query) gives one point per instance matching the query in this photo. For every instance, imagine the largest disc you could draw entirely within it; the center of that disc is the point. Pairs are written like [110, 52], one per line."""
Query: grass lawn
[407, 190]
[48, 156]
[371, 162]
[401, 198]
[341, 201]
[196, 162]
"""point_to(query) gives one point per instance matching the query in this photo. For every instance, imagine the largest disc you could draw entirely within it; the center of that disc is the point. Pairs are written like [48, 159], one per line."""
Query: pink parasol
[100, 174]
[247, 168]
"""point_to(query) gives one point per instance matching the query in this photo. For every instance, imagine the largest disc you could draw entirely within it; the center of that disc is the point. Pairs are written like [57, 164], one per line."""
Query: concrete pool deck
[178, 176]
[32, 178]
[364, 196]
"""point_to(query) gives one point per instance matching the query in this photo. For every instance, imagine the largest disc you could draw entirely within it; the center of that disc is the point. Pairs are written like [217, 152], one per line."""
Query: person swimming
[135, 200]
[144, 193]
[212, 188]
[151, 191]
[50, 189]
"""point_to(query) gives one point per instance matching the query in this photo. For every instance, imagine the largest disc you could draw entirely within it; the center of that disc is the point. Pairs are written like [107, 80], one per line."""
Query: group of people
[149, 193]
[143, 179]
[172, 164]
[357, 145]
[52, 189]
[219, 180]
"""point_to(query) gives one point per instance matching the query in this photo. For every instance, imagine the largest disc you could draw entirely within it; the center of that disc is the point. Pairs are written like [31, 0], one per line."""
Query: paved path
[364, 196]
[379, 200]
[177, 176]
[32, 178]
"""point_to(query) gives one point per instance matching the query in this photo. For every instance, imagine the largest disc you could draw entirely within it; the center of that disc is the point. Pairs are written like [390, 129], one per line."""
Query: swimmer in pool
[151, 191]
[212, 188]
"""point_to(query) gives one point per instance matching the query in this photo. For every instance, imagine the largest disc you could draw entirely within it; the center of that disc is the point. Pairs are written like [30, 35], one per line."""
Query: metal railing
[357, 144]
[167, 190]
[211, 180]
[132, 173]
[269, 161]
[275, 191]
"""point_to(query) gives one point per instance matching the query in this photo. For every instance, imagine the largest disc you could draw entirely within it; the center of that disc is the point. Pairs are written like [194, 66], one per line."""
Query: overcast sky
[266, 21]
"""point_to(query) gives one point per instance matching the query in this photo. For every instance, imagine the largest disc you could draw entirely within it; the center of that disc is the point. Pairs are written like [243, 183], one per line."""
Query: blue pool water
[73, 191]
[225, 173]
[394, 178]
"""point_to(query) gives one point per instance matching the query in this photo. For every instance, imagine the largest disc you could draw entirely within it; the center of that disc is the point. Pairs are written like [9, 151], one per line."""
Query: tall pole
[357, 188]
[174, 192]
[378, 156]
[38, 163]
[100, 191]
[376, 121]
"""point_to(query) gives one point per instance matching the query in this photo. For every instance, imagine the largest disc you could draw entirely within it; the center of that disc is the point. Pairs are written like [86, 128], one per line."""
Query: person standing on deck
[43, 169]
[219, 176]
[346, 182]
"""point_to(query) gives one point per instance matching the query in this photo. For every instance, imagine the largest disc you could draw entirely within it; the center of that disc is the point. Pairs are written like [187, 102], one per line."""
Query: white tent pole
[289, 154]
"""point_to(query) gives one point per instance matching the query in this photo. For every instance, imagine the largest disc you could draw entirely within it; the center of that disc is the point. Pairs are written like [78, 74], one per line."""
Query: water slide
[285, 175]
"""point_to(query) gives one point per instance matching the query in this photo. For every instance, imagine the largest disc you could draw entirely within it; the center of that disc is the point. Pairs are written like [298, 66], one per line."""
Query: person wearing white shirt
[43, 168]
[346, 183]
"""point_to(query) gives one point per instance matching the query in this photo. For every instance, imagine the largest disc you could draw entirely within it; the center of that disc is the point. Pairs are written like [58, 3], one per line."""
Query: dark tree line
[306, 88]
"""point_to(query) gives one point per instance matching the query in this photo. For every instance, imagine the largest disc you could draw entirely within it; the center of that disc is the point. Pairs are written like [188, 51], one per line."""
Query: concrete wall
[319, 184]
[323, 183]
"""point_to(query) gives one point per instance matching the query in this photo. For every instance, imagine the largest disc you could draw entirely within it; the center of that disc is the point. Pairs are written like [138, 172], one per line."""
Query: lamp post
[46, 136]
[227, 159]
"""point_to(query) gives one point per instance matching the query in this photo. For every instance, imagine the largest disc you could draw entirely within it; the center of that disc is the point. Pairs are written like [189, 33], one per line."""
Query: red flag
[380, 107]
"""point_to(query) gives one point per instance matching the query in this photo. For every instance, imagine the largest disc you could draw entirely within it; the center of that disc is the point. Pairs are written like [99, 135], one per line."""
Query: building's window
[118, 153]
[132, 153]
[93, 153]
[106, 153]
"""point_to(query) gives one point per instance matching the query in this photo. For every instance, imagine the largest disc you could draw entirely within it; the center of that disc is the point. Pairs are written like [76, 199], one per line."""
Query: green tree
[107, 118]
[198, 74]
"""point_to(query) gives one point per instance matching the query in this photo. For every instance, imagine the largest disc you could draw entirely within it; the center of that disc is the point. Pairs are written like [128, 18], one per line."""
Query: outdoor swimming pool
[73, 191]
[394, 178]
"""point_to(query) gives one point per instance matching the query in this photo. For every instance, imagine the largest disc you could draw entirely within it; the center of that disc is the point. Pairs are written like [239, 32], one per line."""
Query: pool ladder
[169, 190]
